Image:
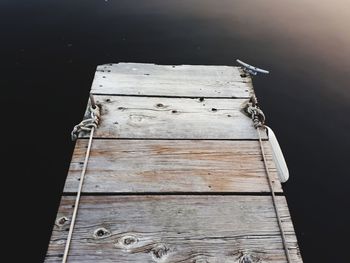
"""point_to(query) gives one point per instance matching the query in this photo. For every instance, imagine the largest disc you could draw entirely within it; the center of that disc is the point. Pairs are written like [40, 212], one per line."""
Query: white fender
[281, 166]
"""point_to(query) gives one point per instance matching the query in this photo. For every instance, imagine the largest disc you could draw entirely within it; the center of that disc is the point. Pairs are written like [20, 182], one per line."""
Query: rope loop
[86, 125]
[257, 115]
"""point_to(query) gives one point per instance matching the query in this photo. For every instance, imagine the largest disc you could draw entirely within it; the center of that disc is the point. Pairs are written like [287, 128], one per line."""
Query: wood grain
[124, 166]
[173, 229]
[175, 173]
[183, 80]
[173, 118]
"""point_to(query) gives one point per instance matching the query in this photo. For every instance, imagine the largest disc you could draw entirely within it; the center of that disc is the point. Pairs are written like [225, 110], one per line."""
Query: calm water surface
[49, 51]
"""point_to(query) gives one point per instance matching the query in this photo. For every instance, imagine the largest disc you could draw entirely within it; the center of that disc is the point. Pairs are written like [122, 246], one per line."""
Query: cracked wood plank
[174, 229]
[173, 118]
[125, 166]
[160, 80]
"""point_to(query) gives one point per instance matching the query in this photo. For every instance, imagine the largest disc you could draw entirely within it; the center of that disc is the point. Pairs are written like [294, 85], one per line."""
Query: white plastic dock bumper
[281, 165]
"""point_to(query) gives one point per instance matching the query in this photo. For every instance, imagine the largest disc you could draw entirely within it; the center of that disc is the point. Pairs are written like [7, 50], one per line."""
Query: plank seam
[168, 96]
[174, 193]
[169, 139]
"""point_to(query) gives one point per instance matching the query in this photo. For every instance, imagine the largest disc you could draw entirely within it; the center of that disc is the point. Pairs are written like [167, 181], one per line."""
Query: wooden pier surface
[175, 173]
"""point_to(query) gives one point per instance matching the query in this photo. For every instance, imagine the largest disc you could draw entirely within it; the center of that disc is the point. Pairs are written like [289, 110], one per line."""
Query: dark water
[49, 51]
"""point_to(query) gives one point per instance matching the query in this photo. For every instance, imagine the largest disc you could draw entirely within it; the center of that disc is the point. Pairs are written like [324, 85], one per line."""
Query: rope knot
[253, 110]
[87, 124]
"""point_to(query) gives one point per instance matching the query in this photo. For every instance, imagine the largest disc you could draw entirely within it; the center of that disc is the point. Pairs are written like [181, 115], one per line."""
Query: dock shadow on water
[50, 50]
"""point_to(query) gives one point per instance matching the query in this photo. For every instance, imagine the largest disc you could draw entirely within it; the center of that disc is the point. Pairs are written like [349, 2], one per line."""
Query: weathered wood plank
[139, 154]
[211, 229]
[124, 166]
[183, 80]
[173, 118]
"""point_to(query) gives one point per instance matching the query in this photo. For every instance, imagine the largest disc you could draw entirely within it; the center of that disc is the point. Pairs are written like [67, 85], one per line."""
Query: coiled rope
[87, 125]
[258, 118]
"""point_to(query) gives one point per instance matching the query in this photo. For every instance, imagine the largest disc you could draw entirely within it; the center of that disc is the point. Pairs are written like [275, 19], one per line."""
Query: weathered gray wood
[174, 118]
[157, 103]
[183, 80]
[124, 166]
[213, 229]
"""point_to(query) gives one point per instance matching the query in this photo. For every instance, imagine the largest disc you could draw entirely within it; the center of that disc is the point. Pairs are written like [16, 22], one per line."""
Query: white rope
[87, 125]
[82, 176]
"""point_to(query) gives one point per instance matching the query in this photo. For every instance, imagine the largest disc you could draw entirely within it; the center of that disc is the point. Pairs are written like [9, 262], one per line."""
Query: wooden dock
[175, 173]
